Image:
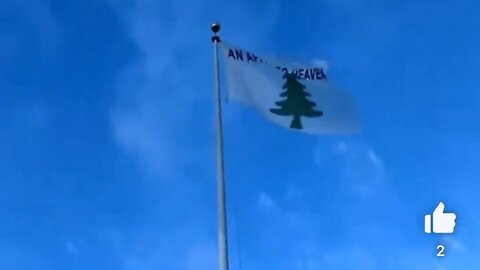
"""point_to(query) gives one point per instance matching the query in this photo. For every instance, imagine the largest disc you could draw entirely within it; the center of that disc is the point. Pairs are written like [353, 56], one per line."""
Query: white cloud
[321, 63]
[293, 193]
[362, 170]
[374, 159]
[163, 119]
[350, 257]
[265, 201]
[156, 103]
[342, 147]
[140, 134]
[201, 257]
[153, 247]
[296, 238]
[71, 248]
[455, 244]
[157, 116]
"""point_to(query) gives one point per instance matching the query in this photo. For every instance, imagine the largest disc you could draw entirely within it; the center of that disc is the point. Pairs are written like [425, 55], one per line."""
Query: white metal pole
[221, 209]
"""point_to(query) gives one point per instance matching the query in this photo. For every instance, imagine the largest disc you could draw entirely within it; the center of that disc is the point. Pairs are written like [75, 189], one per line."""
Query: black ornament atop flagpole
[221, 209]
[215, 29]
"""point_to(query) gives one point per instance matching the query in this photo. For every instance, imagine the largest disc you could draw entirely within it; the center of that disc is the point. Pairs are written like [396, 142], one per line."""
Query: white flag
[293, 95]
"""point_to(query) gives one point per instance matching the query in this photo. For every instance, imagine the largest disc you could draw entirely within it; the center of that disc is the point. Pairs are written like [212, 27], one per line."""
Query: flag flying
[293, 95]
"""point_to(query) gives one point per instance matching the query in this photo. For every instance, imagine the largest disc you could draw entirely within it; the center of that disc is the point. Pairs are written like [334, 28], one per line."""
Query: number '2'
[441, 251]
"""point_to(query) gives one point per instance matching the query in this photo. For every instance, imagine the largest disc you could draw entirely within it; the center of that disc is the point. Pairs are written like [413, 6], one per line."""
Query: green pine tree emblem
[296, 103]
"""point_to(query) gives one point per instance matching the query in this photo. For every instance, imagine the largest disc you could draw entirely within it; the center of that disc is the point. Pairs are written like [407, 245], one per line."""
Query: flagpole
[221, 210]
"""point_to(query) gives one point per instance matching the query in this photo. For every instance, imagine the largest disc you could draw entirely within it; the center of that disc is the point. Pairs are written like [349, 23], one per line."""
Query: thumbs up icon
[442, 222]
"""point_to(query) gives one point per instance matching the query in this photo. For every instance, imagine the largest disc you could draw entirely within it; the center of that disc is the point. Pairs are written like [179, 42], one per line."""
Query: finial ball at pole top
[215, 27]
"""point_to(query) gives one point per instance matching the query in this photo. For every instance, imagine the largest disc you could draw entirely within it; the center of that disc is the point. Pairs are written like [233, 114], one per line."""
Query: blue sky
[107, 147]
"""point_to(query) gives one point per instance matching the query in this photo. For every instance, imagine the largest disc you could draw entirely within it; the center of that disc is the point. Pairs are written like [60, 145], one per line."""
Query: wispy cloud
[161, 94]
[71, 248]
[455, 244]
[287, 240]
[152, 247]
[294, 240]
[265, 201]
[155, 104]
[161, 118]
[201, 257]
[351, 257]
[362, 171]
